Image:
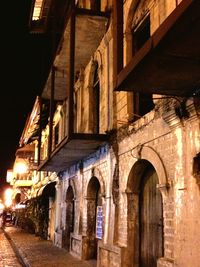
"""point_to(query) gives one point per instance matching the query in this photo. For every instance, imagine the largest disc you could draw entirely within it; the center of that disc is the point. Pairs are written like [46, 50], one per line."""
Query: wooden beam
[71, 69]
[117, 37]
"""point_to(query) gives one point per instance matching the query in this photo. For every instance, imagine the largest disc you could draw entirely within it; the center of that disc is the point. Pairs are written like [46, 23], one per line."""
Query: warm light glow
[8, 202]
[8, 197]
[20, 168]
[20, 206]
[9, 176]
[37, 9]
[1, 207]
[8, 193]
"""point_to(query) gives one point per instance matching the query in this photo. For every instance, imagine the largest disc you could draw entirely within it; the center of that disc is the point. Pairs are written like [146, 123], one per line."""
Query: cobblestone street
[8, 257]
[34, 251]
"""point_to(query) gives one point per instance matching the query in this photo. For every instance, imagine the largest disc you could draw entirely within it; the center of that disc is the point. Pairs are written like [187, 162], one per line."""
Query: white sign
[99, 222]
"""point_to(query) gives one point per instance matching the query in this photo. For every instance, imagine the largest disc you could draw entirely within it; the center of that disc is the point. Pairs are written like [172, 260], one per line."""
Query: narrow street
[33, 251]
[7, 255]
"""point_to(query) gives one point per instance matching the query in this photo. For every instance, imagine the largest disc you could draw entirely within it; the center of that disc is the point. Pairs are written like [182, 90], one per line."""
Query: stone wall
[162, 138]
[170, 147]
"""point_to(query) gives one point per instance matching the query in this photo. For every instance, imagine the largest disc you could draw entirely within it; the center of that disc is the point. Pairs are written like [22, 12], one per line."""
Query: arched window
[142, 102]
[96, 101]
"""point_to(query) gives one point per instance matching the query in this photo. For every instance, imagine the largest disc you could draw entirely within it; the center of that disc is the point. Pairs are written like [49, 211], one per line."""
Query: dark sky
[21, 70]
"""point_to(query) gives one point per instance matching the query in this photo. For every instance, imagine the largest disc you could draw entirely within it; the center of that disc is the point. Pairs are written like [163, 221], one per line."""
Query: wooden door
[151, 220]
[69, 219]
[94, 200]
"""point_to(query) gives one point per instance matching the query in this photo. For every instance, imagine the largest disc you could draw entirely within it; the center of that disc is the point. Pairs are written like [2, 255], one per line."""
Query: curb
[21, 257]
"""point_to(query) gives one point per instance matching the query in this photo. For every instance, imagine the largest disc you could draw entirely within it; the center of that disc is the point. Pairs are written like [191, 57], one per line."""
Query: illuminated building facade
[120, 144]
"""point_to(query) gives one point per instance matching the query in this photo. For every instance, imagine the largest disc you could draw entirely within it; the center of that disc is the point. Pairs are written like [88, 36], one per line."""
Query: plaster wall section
[97, 165]
[187, 198]
[102, 60]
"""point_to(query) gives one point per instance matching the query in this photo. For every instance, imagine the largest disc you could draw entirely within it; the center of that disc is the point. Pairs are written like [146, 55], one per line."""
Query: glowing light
[1, 206]
[20, 168]
[9, 176]
[8, 193]
[8, 202]
[37, 9]
[20, 206]
[8, 197]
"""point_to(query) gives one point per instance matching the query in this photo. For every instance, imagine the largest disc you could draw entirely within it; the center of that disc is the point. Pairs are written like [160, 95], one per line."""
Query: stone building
[122, 137]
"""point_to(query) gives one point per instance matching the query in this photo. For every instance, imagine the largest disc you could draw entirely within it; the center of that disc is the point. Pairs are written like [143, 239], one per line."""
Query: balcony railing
[68, 146]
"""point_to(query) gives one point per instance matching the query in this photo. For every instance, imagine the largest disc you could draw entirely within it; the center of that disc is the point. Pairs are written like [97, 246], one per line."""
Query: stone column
[58, 236]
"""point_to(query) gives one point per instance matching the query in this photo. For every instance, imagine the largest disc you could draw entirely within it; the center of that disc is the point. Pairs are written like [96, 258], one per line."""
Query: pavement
[33, 251]
[8, 257]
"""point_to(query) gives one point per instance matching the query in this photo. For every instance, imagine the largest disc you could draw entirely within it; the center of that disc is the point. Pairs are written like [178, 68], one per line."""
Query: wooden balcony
[72, 149]
[168, 63]
[75, 53]
[83, 34]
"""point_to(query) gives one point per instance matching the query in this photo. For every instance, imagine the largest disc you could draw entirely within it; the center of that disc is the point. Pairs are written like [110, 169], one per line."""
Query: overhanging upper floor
[83, 32]
[72, 149]
[169, 61]
[67, 143]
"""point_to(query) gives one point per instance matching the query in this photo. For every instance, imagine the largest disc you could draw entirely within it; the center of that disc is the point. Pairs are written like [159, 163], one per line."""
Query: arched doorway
[150, 219]
[46, 211]
[17, 198]
[145, 216]
[93, 202]
[69, 219]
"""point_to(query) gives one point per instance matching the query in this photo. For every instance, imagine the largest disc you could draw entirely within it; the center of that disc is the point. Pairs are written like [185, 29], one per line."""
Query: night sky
[21, 71]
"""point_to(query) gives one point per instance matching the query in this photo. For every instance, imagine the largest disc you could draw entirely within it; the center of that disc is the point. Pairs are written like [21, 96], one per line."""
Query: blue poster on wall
[99, 222]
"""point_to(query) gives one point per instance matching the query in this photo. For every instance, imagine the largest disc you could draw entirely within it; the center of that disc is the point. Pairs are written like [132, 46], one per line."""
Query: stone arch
[137, 32]
[134, 6]
[93, 186]
[149, 154]
[128, 27]
[96, 64]
[94, 199]
[98, 58]
[94, 92]
[131, 12]
[97, 173]
[69, 193]
[142, 172]
[92, 67]
[69, 218]
[73, 185]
